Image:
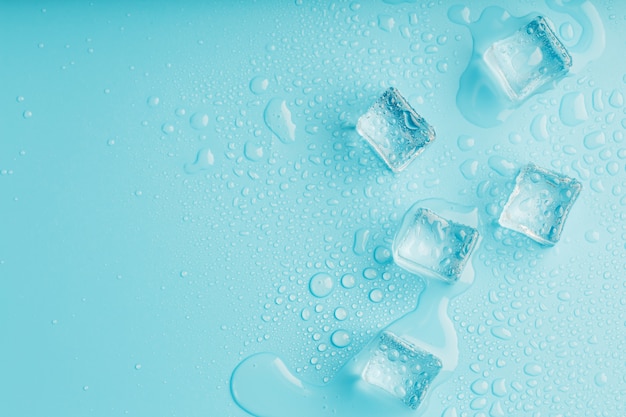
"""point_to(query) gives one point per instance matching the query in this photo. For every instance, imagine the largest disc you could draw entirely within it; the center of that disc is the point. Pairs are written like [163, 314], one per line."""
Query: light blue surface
[173, 175]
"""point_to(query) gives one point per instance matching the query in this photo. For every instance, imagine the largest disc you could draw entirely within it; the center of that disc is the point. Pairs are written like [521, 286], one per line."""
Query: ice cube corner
[402, 369]
[395, 130]
[428, 245]
[540, 203]
[528, 59]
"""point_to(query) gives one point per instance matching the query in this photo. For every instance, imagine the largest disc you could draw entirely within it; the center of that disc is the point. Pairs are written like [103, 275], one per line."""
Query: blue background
[132, 282]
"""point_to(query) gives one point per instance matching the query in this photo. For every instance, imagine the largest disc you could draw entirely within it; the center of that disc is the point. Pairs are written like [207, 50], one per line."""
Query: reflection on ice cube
[396, 131]
[402, 369]
[529, 59]
[540, 203]
[430, 246]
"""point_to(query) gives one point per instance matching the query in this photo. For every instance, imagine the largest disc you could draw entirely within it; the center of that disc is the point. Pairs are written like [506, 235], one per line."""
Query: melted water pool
[192, 226]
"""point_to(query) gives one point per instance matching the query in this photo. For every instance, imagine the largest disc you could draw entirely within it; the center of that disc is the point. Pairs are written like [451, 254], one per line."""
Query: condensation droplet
[348, 281]
[321, 285]
[199, 121]
[340, 338]
[376, 295]
[259, 84]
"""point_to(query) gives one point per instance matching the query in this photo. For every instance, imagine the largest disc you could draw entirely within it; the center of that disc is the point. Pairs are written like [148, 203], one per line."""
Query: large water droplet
[572, 110]
[278, 118]
[259, 84]
[340, 338]
[199, 121]
[321, 285]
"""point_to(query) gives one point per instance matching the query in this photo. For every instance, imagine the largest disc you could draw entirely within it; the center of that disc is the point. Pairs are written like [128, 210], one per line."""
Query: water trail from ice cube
[263, 385]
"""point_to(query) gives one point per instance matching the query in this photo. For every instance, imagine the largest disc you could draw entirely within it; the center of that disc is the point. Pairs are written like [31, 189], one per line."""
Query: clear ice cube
[396, 131]
[402, 369]
[540, 203]
[430, 246]
[529, 59]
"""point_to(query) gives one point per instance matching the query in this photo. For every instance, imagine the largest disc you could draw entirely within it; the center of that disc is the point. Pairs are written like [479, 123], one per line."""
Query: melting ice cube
[529, 59]
[402, 369]
[429, 245]
[396, 131]
[540, 203]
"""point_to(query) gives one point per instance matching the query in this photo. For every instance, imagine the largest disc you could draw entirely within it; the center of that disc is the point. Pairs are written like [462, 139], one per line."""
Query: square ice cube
[402, 369]
[539, 204]
[395, 131]
[429, 245]
[529, 59]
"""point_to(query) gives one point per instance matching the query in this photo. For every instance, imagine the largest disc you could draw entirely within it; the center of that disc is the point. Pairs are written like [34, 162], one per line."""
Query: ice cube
[429, 245]
[402, 369]
[540, 203]
[395, 130]
[529, 59]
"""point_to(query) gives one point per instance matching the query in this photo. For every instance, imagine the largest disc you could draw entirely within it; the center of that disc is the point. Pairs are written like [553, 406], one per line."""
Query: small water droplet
[168, 128]
[592, 236]
[153, 101]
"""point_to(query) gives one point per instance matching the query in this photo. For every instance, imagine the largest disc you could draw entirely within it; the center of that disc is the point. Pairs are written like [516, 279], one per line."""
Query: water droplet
[382, 255]
[496, 410]
[361, 237]
[386, 22]
[480, 387]
[321, 284]
[348, 281]
[27, 114]
[572, 110]
[199, 121]
[539, 127]
[459, 14]
[616, 99]
[532, 369]
[137, 366]
[153, 101]
[594, 140]
[370, 273]
[478, 403]
[278, 119]
[341, 313]
[253, 151]
[592, 236]
[376, 295]
[498, 387]
[501, 333]
[502, 166]
[168, 128]
[469, 168]
[259, 85]
[600, 379]
[340, 338]
[204, 160]
[563, 296]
